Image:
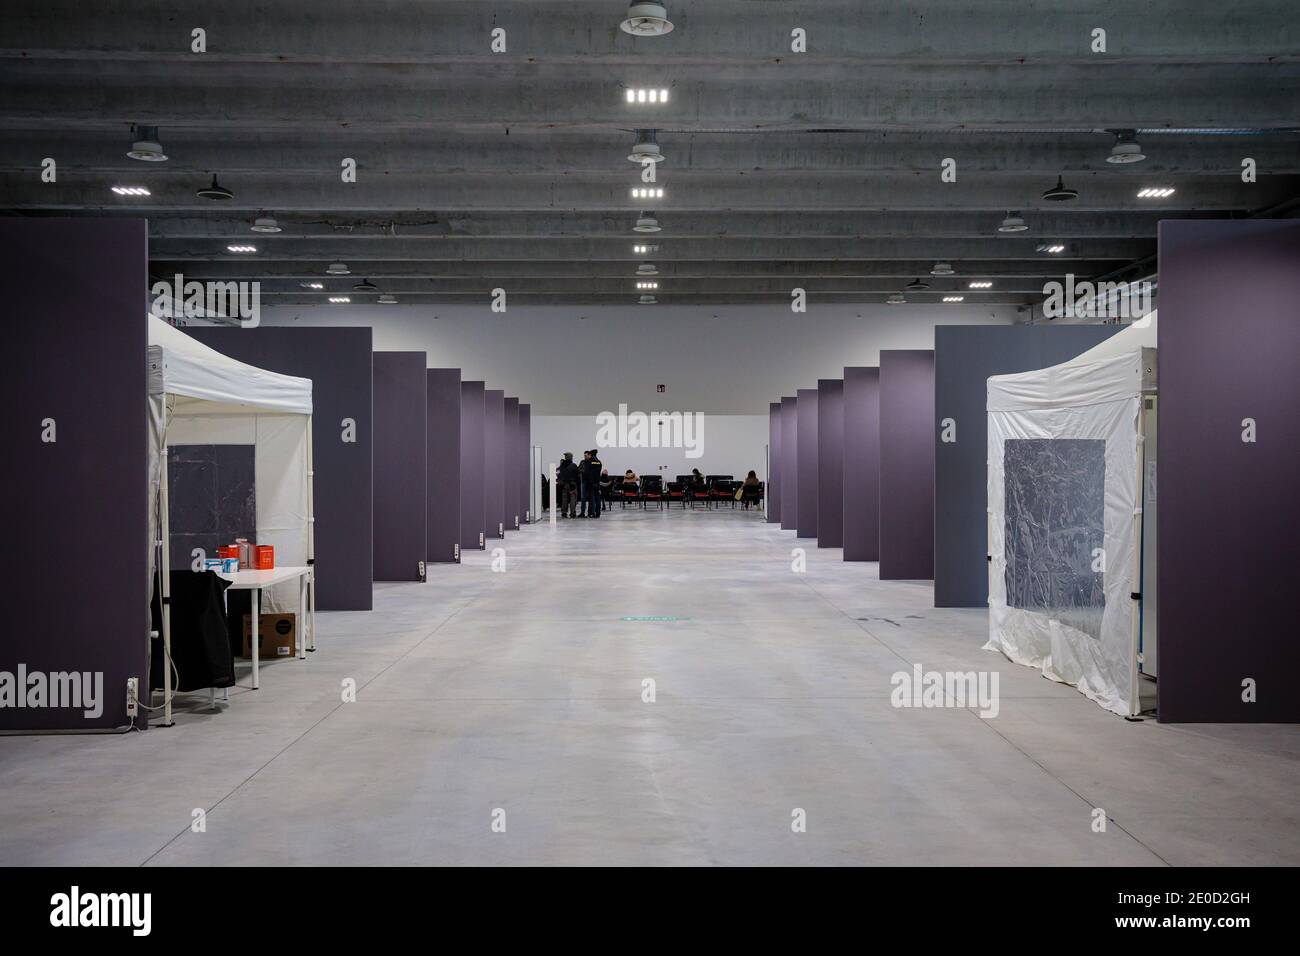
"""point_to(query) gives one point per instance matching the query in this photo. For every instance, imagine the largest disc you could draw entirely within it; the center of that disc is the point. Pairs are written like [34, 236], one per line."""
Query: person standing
[567, 477]
[593, 469]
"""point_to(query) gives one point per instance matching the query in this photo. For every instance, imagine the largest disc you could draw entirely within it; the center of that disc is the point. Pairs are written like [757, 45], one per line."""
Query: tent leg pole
[165, 587]
[311, 535]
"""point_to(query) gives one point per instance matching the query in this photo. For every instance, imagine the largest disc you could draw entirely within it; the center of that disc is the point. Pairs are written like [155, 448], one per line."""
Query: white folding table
[256, 581]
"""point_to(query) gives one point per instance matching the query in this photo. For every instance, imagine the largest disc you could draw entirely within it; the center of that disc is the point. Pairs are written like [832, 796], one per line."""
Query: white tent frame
[1123, 366]
[188, 381]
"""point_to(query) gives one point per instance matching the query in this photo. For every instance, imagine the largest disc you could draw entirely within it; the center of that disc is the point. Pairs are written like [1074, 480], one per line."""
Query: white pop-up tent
[197, 396]
[1065, 499]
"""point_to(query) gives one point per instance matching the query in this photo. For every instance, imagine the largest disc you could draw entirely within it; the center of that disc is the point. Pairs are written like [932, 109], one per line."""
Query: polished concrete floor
[516, 696]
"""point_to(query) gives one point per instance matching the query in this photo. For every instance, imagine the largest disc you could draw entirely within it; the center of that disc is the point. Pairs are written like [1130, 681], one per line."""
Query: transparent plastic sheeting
[1063, 507]
[198, 396]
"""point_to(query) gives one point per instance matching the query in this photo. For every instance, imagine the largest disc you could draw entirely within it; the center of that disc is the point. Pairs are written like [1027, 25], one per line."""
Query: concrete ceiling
[479, 170]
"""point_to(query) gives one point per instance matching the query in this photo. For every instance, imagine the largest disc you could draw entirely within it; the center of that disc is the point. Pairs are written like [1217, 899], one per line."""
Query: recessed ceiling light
[146, 147]
[1013, 223]
[647, 285]
[647, 192]
[953, 298]
[387, 299]
[338, 269]
[644, 249]
[1126, 149]
[265, 224]
[241, 248]
[340, 299]
[215, 192]
[1156, 192]
[1059, 193]
[646, 223]
[646, 20]
[642, 95]
[1051, 247]
[896, 299]
[312, 285]
[942, 269]
[981, 285]
[365, 285]
[132, 191]
[646, 149]
[916, 285]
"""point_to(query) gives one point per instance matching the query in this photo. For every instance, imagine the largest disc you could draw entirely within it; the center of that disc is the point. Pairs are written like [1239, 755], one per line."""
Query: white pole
[311, 537]
[165, 587]
[555, 488]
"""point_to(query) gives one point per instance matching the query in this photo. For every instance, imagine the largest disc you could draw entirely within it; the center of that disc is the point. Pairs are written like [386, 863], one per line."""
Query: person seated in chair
[629, 477]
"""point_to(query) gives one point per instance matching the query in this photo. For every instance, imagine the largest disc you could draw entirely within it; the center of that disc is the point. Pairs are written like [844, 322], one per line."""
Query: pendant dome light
[646, 149]
[365, 285]
[265, 224]
[1014, 222]
[647, 269]
[646, 223]
[896, 299]
[942, 269]
[1126, 149]
[338, 269]
[916, 285]
[1059, 193]
[146, 147]
[215, 192]
[646, 20]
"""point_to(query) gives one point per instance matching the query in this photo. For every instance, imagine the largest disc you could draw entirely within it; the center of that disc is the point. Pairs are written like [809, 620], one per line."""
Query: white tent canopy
[1064, 493]
[197, 396]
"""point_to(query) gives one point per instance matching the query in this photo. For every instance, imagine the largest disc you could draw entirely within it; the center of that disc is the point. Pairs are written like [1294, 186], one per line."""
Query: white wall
[724, 360]
[729, 445]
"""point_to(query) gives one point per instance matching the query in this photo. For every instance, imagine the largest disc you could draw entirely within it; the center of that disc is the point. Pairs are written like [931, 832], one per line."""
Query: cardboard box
[277, 636]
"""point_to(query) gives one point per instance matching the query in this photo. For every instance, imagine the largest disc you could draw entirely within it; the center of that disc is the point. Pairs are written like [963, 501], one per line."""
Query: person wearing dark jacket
[592, 469]
[567, 477]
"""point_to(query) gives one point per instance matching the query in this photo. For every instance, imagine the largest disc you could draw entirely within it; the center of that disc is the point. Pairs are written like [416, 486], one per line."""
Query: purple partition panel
[443, 541]
[773, 490]
[473, 528]
[906, 464]
[513, 516]
[1229, 450]
[76, 466]
[964, 358]
[401, 506]
[494, 462]
[806, 445]
[525, 472]
[338, 362]
[861, 464]
[830, 463]
[789, 464]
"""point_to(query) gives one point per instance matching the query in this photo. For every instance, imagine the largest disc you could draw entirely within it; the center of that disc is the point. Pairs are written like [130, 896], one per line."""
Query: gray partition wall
[789, 464]
[76, 476]
[338, 361]
[861, 502]
[401, 425]
[964, 358]
[1228, 516]
[525, 441]
[473, 526]
[906, 464]
[510, 467]
[830, 463]
[494, 462]
[806, 452]
[443, 539]
[772, 493]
